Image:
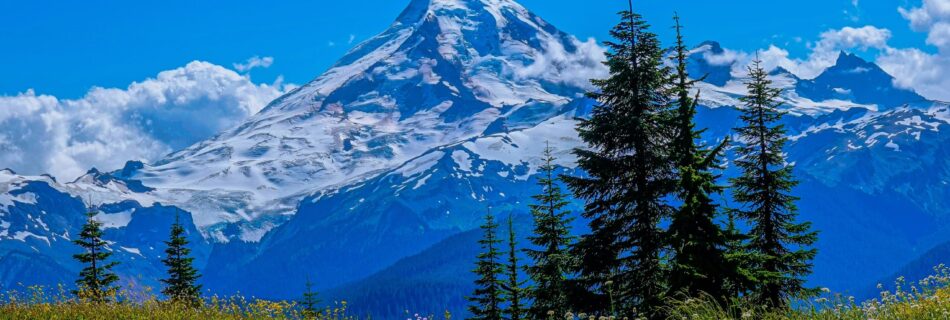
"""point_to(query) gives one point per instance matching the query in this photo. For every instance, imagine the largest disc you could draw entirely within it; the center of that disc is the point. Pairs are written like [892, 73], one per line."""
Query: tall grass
[925, 299]
[39, 303]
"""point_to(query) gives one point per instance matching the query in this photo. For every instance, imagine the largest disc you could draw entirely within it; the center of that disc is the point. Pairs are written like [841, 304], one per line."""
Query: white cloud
[928, 74]
[939, 36]
[352, 38]
[725, 58]
[331, 44]
[574, 68]
[254, 62]
[106, 127]
[930, 12]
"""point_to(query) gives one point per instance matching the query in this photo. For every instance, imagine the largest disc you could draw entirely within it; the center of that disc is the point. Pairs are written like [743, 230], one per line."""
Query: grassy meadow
[925, 299]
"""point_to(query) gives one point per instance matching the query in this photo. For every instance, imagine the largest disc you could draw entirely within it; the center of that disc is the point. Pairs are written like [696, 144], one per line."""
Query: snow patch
[114, 220]
[462, 159]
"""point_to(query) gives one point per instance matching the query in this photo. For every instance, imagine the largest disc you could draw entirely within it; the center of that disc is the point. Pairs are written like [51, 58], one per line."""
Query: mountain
[372, 177]
[853, 79]
[702, 61]
[851, 82]
[39, 217]
[445, 71]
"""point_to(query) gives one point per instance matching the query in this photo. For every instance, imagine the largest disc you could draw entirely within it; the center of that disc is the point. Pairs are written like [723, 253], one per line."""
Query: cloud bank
[148, 119]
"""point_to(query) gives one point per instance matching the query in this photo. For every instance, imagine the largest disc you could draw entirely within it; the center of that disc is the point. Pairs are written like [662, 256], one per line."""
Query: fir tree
[630, 175]
[514, 288]
[181, 283]
[780, 245]
[698, 264]
[310, 300]
[488, 296]
[96, 279]
[552, 237]
[738, 258]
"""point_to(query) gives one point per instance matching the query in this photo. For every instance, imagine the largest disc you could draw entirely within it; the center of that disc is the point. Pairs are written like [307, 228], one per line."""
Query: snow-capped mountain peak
[854, 79]
[851, 82]
[445, 71]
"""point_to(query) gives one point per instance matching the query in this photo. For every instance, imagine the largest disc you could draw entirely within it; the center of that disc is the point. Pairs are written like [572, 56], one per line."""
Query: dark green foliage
[630, 174]
[487, 298]
[96, 279]
[310, 300]
[552, 237]
[738, 257]
[698, 263]
[181, 284]
[779, 245]
[514, 288]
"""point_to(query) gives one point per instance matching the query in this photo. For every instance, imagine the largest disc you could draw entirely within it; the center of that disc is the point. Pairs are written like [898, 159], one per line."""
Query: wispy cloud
[254, 62]
[352, 38]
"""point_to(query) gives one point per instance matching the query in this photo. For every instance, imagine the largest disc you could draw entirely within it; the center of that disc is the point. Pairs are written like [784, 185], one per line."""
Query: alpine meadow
[688, 160]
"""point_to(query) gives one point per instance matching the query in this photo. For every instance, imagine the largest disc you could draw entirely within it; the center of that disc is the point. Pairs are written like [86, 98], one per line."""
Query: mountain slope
[445, 71]
[39, 218]
[850, 83]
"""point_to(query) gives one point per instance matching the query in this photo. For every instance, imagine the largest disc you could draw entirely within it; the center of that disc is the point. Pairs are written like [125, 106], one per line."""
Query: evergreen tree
[181, 283]
[698, 264]
[630, 175]
[487, 298]
[780, 245]
[737, 257]
[552, 237]
[96, 279]
[514, 288]
[310, 300]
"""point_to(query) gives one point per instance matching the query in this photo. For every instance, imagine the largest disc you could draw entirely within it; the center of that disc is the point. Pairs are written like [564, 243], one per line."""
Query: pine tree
[96, 279]
[779, 243]
[698, 264]
[487, 298]
[310, 300]
[552, 237]
[181, 283]
[738, 258]
[514, 288]
[630, 175]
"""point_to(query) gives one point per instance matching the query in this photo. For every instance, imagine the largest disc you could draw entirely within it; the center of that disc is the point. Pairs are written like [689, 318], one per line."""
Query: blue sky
[63, 48]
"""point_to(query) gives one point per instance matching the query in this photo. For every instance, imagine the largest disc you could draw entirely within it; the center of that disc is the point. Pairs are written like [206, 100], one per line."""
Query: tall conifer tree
[96, 278]
[181, 284]
[488, 296]
[630, 175]
[551, 261]
[698, 264]
[780, 245]
[310, 300]
[514, 288]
